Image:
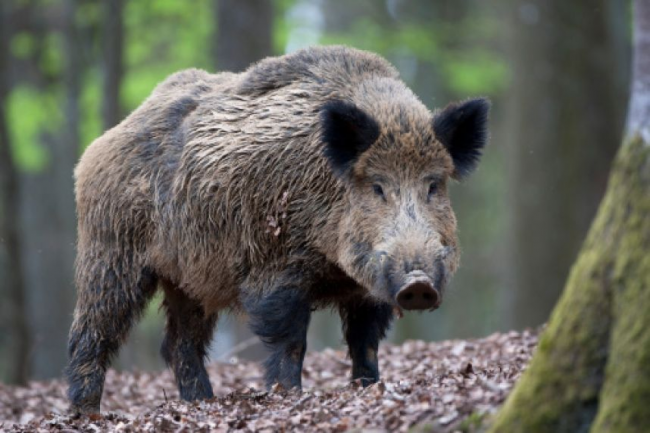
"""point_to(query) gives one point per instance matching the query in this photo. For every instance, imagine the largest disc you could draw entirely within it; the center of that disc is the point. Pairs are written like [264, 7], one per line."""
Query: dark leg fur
[187, 338]
[111, 300]
[365, 323]
[281, 318]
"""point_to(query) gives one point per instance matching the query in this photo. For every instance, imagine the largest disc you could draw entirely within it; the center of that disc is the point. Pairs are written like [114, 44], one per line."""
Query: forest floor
[435, 387]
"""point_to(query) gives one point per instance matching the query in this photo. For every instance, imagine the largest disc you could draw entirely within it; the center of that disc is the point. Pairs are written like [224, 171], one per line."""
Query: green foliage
[281, 26]
[474, 73]
[90, 109]
[370, 35]
[30, 113]
[465, 71]
[160, 38]
[87, 13]
[51, 60]
[163, 37]
[23, 45]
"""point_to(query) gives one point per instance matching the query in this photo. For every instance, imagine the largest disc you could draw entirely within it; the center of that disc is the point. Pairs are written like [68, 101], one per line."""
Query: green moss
[473, 423]
[560, 391]
[626, 392]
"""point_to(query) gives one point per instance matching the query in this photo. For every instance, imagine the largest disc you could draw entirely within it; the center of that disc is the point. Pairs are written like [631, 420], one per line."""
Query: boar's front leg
[187, 337]
[365, 323]
[280, 317]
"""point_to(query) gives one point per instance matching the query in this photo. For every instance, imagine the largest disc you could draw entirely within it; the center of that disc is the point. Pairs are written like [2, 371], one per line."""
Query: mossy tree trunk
[591, 371]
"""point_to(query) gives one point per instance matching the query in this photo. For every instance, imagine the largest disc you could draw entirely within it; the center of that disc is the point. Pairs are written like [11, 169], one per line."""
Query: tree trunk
[591, 371]
[49, 219]
[112, 43]
[244, 33]
[569, 70]
[14, 335]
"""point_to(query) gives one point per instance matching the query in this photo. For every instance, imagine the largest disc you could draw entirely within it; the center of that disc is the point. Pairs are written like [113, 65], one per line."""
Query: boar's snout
[418, 293]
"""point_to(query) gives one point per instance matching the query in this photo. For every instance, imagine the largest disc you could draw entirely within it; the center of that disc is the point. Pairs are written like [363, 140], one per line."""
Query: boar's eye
[379, 191]
[433, 189]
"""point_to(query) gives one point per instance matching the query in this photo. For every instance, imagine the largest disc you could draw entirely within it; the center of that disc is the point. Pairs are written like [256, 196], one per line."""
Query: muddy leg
[187, 337]
[111, 299]
[365, 323]
[281, 318]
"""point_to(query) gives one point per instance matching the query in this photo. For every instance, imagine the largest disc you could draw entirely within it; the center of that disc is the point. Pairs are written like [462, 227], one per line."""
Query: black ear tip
[483, 101]
[462, 128]
[334, 107]
[479, 110]
[478, 106]
[347, 131]
[339, 110]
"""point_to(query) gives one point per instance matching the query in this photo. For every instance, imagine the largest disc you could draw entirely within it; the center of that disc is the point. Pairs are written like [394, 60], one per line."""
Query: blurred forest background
[556, 71]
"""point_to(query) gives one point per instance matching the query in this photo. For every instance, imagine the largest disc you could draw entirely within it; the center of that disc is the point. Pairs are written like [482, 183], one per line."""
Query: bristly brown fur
[218, 187]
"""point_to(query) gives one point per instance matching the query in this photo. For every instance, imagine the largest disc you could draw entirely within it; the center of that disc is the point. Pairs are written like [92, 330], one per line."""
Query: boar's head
[397, 232]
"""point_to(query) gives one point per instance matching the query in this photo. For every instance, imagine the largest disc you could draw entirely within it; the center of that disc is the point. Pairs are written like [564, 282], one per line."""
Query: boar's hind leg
[187, 337]
[111, 297]
[364, 324]
[281, 318]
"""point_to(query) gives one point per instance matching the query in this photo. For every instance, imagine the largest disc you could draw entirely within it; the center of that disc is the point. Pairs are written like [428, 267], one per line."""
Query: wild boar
[311, 180]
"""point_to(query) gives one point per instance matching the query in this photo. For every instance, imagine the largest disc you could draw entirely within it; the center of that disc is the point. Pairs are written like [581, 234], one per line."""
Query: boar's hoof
[78, 411]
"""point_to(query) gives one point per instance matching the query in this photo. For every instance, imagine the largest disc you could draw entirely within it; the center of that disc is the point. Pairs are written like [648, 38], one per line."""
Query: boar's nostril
[418, 294]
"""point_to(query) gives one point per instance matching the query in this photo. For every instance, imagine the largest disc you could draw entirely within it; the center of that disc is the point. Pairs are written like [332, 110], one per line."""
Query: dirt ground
[435, 387]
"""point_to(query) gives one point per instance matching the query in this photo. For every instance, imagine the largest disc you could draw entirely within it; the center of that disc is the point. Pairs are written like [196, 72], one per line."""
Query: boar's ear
[462, 128]
[347, 132]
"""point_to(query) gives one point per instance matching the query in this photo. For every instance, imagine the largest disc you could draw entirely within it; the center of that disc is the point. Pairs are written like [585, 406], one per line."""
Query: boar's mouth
[418, 293]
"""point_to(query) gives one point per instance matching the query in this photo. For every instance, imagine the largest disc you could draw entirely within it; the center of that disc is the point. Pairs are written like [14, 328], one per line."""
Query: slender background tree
[243, 35]
[14, 334]
[565, 112]
[112, 61]
[49, 222]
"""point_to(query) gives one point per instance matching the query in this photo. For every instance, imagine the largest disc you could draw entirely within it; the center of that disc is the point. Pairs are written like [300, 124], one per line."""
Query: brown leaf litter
[436, 387]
